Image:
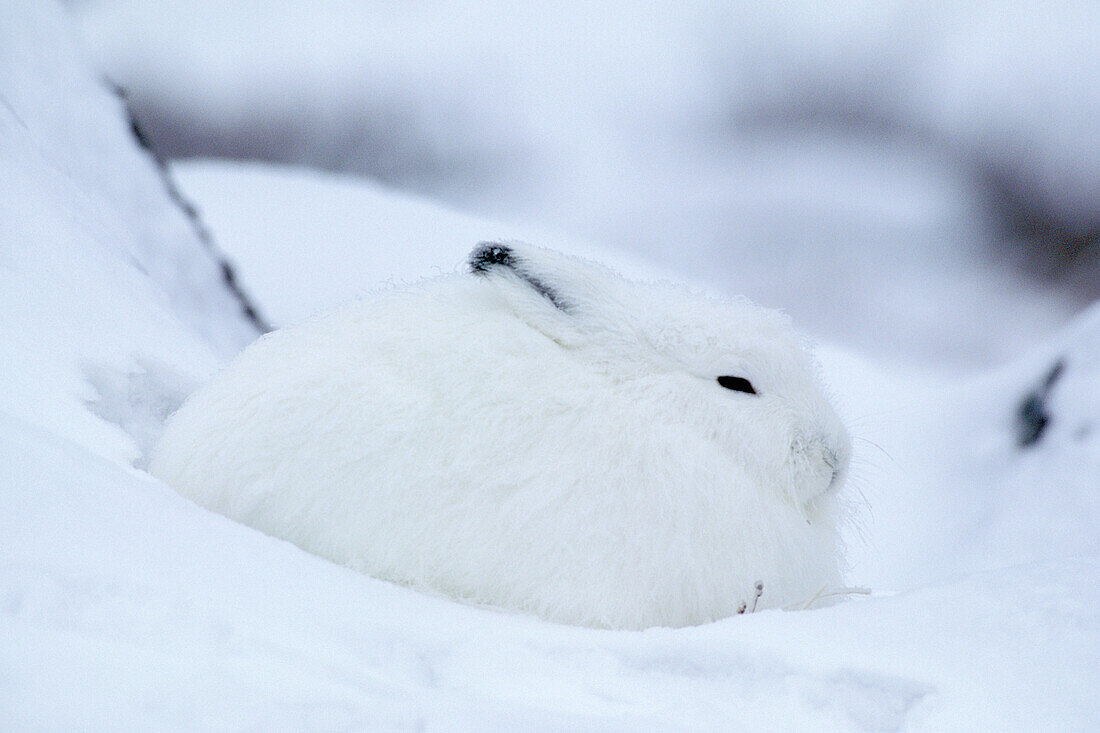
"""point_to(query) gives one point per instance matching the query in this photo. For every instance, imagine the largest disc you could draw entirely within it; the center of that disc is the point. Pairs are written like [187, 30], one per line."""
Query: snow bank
[123, 606]
[306, 241]
[974, 474]
[101, 272]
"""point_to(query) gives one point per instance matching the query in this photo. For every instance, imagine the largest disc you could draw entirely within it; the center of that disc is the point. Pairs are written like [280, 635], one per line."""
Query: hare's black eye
[737, 384]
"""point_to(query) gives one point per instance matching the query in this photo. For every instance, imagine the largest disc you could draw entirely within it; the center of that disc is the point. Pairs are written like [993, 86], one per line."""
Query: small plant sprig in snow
[822, 593]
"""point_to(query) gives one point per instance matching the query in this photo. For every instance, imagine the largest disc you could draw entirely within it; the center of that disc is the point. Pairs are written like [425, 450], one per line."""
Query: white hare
[540, 435]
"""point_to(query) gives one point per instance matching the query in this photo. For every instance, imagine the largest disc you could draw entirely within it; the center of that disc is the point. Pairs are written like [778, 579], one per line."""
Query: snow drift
[102, 271]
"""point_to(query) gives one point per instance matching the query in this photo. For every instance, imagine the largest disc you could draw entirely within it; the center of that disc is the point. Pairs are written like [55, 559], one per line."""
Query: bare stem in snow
[759, 592]
[802, 606]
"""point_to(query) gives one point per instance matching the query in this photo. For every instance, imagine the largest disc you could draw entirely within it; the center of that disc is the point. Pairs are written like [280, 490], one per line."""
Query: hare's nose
[835, 462]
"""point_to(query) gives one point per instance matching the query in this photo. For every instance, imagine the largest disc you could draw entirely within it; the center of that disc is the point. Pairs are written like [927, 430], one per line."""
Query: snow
[793, 152]
[99, 269]
[126, 607]
[306, 241]
[123, 606]
[445, 81]
[949, 488]
[75, 146]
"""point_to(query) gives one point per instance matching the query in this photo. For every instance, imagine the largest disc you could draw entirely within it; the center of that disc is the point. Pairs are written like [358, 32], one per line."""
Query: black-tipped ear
[489, 256]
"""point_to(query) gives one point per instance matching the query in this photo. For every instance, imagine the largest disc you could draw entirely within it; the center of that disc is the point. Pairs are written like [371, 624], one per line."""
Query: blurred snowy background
[921, 180]
[918, 184]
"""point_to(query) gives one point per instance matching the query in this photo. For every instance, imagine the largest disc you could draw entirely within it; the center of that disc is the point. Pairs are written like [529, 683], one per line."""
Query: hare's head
[734, 375]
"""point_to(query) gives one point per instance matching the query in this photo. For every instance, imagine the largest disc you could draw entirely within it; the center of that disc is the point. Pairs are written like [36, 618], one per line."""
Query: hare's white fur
[539, 435]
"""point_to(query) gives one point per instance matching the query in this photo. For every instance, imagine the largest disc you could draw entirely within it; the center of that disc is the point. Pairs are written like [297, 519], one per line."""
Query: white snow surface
[73, 144]
[125, 607]
[101, 273]
[306, 241]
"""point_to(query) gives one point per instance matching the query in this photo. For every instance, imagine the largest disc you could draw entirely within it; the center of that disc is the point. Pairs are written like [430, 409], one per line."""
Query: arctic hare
[539, 434]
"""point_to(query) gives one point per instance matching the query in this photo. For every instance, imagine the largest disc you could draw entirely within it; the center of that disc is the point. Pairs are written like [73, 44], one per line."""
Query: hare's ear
[562, 296]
